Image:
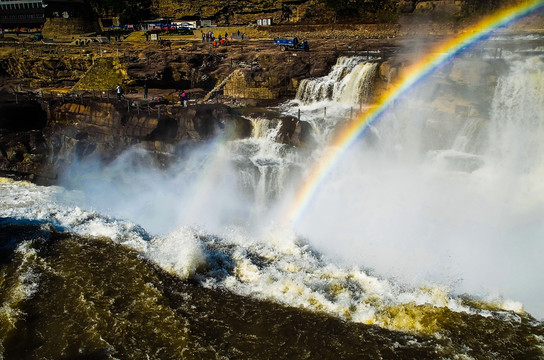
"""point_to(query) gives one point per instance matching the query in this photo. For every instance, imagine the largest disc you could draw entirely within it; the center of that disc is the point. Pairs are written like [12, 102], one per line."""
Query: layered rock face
[44, 66]
[22, 145]
[244, 12]
[70, 26]
[37, 139]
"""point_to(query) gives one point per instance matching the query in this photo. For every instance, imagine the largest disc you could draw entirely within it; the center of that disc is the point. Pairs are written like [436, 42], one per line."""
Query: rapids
[423, 242]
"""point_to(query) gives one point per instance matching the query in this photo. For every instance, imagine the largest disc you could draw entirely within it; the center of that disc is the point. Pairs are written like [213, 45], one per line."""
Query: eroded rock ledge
[39, 137]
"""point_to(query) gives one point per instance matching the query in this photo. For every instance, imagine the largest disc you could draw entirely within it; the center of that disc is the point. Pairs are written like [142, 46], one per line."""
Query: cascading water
[267, 169]
[326, 101]
[350, 82]
[517, 116]
[431, 203]
[452, 198]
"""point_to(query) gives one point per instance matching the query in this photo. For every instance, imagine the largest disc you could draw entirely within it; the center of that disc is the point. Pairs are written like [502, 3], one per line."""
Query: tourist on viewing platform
[119, 92]
[183, 97]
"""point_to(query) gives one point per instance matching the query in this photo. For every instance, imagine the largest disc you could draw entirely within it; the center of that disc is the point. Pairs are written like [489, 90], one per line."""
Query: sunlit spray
[422, 200]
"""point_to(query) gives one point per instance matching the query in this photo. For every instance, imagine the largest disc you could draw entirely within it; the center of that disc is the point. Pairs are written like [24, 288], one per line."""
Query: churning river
[424, 241]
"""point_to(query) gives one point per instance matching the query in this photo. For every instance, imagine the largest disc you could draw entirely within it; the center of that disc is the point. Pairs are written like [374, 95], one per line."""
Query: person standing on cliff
[119, 92]
[183, 97]
[145, 90]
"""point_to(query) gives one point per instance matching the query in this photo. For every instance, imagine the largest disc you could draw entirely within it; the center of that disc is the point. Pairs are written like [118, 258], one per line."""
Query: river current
[424, 242]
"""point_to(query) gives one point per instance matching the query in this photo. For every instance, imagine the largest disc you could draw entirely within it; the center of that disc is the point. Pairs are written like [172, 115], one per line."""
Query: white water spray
[403, 203]
[350, 82]
[436, 199]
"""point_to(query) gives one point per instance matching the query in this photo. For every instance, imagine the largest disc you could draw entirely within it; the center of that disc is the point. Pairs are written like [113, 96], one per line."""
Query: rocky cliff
[55, 133]
[82, 120]
[320, 11]
[44, 66]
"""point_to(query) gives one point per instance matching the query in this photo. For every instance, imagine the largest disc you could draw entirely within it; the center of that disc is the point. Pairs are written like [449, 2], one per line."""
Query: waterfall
[263, 162]
[516, 134]
[350, 81]
[357, 86]
[327, 101]
[461, 192]
[468, 135]
[268, 161]
[265, 129]
[443, 195]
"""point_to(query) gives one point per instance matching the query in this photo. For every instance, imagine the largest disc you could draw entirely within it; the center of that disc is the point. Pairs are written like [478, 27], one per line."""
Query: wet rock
[65, 132]
[24, 116]
[388, 71]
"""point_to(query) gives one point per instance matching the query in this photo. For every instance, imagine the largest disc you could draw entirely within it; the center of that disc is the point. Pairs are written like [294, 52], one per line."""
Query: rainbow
[417, 72]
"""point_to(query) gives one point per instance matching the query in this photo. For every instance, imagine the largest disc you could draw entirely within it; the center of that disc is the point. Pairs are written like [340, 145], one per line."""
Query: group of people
[221, 42]
[209, 36]
[183, 97]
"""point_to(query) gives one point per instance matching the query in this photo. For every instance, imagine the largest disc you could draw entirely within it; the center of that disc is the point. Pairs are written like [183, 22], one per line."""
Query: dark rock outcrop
[39, 138]
[23, 116]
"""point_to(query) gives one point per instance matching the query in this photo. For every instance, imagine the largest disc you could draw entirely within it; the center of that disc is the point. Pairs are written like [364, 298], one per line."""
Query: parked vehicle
[291, 44]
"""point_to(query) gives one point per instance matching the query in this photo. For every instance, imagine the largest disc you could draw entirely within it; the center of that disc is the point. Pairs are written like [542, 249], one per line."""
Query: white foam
[289, 272]
[25, 285]
[275, 265]
[179, 252]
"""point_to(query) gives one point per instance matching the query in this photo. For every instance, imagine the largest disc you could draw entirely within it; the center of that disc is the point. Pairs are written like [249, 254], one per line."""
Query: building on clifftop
[21, 13]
